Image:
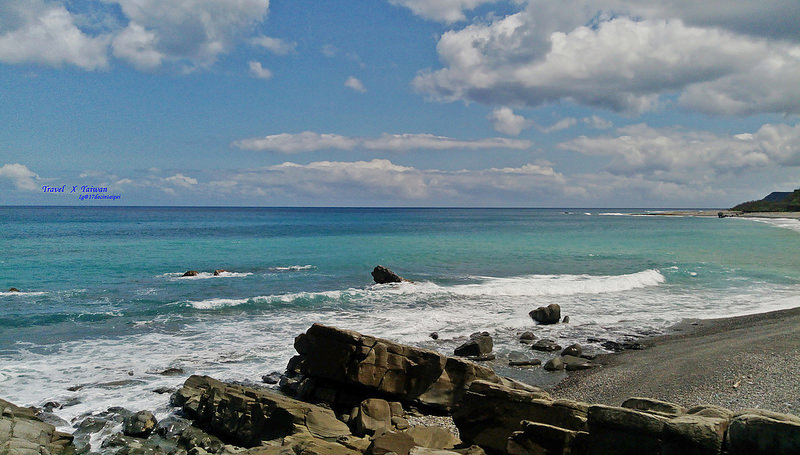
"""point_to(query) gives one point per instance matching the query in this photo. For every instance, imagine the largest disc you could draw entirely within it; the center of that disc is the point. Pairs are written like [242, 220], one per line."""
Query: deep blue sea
[104, 306]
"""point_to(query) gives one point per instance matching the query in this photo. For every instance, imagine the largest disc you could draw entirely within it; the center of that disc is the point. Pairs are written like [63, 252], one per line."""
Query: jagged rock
[13, 290]
[139, 424]
[347, 363]
[757, 432]
[191, 273]
[489, 413]
[693, 435]
[219, 272]
[21, 432]
[555, 364]
[372, 416]
[383, 275]
[248, 416]
[573, 350]
[527, 337]
[623, 431]
[546, 346]
[550, 314]
[479, 343]
[539, 438]
[652, 406]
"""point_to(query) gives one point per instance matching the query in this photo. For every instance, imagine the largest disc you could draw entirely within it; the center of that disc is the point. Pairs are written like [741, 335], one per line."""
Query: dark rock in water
[573, 363]
[481, 358]
[434, 335]
[272, 378]
[527, 337]
[219, 272]
[171, 371]
[612, 346]
[617, 346]
[555, 364]
[479, 343]
[139, 424]
[345, 367]
[550, 314]
[524, 363]
[22, 433]
[163, 390]
[50, 405]
[191, 273]
[633, 345]
[13, 290]
[75, 388]
[52, 419]
[546, 346]
[573, 350]
[565, 320]
[383, 275]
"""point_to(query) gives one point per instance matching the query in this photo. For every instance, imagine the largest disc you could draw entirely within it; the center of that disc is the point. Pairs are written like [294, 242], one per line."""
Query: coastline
[727, 214]
[738, 362]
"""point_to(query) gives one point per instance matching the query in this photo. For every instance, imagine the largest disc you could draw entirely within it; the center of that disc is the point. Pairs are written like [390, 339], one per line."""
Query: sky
[467, 103]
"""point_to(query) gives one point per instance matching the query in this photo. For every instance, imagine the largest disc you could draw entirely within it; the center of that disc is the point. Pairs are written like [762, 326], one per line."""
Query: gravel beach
[741, 362]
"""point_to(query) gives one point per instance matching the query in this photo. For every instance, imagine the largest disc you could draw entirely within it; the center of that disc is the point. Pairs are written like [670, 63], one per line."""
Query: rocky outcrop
[383, 275]
[22, 433]
[756, 431]
[479, 343]
[191, 273]
[139, 424]
[219, 272]
[343, 366]
[13, 290]
[549, 314]
[248, 416]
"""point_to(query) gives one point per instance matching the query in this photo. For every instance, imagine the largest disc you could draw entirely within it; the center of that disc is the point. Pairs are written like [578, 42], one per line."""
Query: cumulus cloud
[563, 124]
[597, 122]
[181, 180]
[355, 84]
[310, 141]
[22, 177]
[257, 71]
[275, 45]
[441, 10]
[32, 31]
[572, 51]
[681, 156]
[505, 121]
[137, 46]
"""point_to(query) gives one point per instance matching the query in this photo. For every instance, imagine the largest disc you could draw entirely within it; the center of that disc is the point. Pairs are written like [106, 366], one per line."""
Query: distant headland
[778, 201]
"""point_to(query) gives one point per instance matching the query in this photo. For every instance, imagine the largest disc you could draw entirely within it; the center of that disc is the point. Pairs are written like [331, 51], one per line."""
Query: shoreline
[738, 362]
[726, 214]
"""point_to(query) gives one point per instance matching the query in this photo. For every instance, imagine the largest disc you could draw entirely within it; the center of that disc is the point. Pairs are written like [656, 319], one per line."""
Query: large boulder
[549, 314]
[22, 433]
[490, 413]
[623, 431]
[247, 416]
[539, 438]
[383, 275]
[757, 432]
[340, 365]
[191, 273]
[693, 435]
[479, 343]
[372, 416]
[139, 424]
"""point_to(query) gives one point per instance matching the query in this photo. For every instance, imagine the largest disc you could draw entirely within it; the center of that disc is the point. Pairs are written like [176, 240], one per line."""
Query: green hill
[774, 202]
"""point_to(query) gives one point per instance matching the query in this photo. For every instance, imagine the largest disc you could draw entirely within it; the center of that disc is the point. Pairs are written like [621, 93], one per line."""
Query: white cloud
[563, 124]
[684, 156]
[310, 141]
[256, 70]
[505, 121]
[546, 54]
[441, 10]
[22, 177]
[32, 31]
[275, 45]
[192, 31]
[355, 84]
[181, 180]
[597, 122]
[137, 46]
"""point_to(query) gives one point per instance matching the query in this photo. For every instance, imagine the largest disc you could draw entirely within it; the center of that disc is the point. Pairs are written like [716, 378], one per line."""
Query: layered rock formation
[22, 433]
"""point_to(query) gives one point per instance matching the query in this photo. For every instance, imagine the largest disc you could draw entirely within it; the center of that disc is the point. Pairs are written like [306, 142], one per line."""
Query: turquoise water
[103, 299]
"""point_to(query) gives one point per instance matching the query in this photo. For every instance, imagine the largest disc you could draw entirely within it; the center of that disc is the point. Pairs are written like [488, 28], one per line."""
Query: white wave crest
[203, 275]
[784, 223]
[292, 268]
[22, 293]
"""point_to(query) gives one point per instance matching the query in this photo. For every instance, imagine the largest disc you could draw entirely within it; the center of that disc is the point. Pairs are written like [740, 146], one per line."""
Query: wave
[292, 268]
[22, 293]
[784, 223]
[203, 275]
[614, 214]
[282, 299]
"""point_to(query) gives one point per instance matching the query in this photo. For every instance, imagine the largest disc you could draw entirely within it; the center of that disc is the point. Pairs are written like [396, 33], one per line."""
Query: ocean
[104, 311]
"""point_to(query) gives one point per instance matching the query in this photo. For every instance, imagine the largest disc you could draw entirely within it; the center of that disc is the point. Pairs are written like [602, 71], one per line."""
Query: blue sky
[607, 103]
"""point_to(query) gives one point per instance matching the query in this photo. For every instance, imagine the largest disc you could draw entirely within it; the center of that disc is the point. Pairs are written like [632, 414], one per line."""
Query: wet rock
[271, 378]
[383, 275]
[434, 335]
[191, 273]
[50, 405]
[481, 358]
[164, 390]
[572, 363]
[573, 350]
[13, 290]
[139, 424]
[524, 363]
[555, 364]
[527, 337]
[550, 314]
[171, 371]
[565, 320]
[219, 272]
[479, 343]
[546, 345]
